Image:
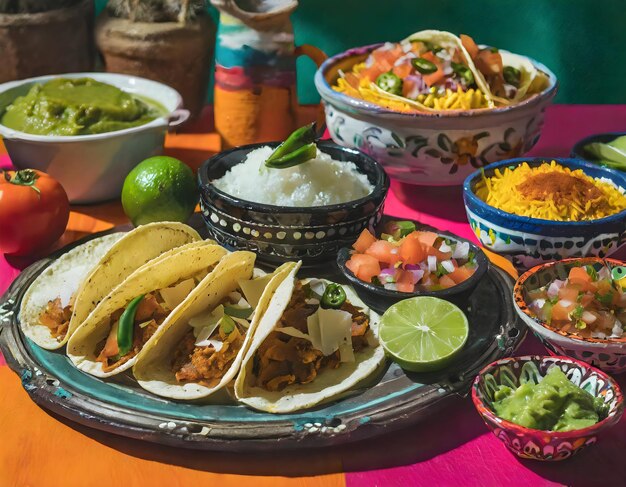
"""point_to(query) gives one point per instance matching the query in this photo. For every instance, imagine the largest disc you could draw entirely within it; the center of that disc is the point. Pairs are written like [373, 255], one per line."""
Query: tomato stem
[23, 177]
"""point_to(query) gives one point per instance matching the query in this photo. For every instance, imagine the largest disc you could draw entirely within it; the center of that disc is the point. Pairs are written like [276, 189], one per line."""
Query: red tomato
[34, 210]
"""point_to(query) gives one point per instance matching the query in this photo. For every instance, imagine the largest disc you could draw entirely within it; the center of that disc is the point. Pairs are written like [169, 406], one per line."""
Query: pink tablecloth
[454, 447]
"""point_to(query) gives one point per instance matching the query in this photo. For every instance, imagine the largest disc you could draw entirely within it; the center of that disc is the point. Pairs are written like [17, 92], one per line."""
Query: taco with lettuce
[201, 350]
[112, 336]
[436, 71]
[64, 294]
[315, 341]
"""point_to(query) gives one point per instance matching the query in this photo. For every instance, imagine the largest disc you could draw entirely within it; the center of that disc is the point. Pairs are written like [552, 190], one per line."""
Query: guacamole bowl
[538, 444]
[92, 167]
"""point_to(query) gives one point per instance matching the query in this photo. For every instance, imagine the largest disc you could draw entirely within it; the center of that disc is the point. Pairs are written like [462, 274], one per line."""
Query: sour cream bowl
[277, 234]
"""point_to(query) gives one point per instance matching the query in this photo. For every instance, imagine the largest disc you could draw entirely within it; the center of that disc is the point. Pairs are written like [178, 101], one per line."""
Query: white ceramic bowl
[429, 149]
[92, 168]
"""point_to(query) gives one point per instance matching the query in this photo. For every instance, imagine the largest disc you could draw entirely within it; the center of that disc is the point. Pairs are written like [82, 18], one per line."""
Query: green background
[582, 41]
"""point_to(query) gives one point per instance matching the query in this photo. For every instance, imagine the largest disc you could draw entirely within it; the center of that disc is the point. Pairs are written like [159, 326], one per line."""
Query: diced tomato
[469, 45]
[384, 251]
[569, 293]
[561, 313]
[404, 281]
[364, 241]
[412, 251]
[446, 281]
[461, 274]
[587, 299]
[427, 238]
[437, 76]
[403, 69]
[363, 266]
[579, 276]
[489, 63]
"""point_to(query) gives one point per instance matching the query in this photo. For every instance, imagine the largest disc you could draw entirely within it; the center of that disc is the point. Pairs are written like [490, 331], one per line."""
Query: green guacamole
[77, 106]
[555, 404]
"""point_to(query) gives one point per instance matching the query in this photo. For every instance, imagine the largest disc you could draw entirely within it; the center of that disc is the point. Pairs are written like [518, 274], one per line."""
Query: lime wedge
[423, 333]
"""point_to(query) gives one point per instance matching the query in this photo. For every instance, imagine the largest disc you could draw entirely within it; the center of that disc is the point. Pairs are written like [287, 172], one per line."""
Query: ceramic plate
[391, 400]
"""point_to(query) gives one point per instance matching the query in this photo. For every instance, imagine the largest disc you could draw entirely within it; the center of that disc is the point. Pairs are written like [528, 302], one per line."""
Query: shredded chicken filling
[282, 360]
[56, 317]
[204, 365]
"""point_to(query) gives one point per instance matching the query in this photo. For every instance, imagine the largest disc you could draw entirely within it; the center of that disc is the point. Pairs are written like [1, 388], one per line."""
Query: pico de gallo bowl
[410, 259]
[577, 307]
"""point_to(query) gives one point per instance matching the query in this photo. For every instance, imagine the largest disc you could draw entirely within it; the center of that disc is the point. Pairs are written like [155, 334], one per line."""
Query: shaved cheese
[253, 289]
[175, 295]
[217, 345]
[204, 324]
[243, 322]
[291, 331]
[330, 328]
[317, 286]
[312, 301]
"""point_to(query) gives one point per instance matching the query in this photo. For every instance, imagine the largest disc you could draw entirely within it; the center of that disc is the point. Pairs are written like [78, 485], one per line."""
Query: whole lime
[160, 188]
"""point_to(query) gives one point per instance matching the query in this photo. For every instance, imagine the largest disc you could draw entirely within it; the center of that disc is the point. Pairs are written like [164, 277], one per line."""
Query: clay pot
[177, 54]
[57, 41]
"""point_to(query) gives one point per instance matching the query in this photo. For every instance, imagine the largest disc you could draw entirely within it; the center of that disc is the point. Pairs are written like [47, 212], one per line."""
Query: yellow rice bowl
[526, 191]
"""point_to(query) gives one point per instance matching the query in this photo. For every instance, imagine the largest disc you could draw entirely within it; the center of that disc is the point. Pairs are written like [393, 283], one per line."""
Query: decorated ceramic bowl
[608, 354]
[92, 168]
[537, 444]
[429, 149]
[279, 233]
[379, 299]
[526, 241]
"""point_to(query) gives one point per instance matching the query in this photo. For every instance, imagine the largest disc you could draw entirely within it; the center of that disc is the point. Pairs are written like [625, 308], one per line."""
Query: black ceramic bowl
[278, 233]
[579, 152]
[379, 299]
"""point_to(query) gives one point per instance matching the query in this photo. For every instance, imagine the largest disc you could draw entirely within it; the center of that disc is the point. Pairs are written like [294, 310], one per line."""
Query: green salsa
[78, 106]
[555, 404]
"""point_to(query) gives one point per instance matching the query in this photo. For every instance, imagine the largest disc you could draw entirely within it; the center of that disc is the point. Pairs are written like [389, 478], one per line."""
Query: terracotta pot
[173, 53]
[58, 41]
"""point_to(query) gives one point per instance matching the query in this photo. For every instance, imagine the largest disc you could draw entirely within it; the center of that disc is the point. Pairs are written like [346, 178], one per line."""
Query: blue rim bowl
[530, 241]
[579, 152]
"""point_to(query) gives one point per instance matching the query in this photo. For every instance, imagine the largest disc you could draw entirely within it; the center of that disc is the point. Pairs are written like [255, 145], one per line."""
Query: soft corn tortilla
[449, 41]
[91, 270]
[153, 369]
[326, 386]
[164, 271]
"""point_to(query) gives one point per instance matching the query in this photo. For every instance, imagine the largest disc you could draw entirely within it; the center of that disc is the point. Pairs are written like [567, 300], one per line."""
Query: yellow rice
[501, 191]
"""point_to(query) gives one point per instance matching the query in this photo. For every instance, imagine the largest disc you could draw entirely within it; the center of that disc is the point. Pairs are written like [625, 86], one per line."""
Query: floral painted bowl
[526, 241]
[429, 149]
[379, 298]
[277, 234]
[608, 354]
[537, 444]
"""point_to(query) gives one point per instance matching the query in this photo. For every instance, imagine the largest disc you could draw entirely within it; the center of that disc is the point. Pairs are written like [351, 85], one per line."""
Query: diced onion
[553, 289]
[432, 263]
[461, 250]
[588, 317]
[448, 265]
[444, 247]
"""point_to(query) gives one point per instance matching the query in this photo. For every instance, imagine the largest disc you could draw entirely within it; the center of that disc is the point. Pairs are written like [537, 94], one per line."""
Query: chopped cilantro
[376, 281]
[470, 256]
[592, 272]
[581, 325]
[605, 299]
[441, 271]
[578, 312]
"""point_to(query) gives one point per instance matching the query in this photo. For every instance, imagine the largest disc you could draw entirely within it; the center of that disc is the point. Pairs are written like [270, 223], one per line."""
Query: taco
[109, 340]
[510, 78]
[435, 71]
[200, 351]
[315, 341]
[64, 294]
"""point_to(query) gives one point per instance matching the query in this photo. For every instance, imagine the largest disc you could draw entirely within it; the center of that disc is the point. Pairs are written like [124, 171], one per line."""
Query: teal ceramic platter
[390, 400]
